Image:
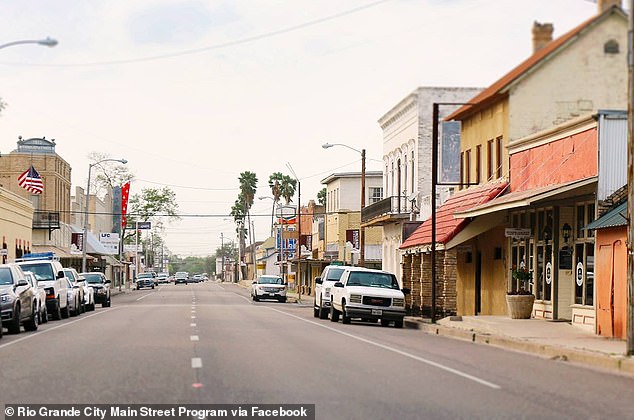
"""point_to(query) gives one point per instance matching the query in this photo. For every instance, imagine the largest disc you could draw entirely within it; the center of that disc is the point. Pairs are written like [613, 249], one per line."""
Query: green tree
[321, 197]
[152, 205]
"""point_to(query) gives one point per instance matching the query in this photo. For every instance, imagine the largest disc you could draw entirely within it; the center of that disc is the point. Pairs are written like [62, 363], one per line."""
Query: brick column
[425, 285]
[406, 269]
[415, 285]
[450, 278]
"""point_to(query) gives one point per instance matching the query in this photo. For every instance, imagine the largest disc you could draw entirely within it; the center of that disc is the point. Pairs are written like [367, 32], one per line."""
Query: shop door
[478, 283]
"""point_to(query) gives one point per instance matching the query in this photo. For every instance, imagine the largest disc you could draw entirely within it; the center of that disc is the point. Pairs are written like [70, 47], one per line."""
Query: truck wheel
[57, 312]
[334, 314]
[31, 324]
[323, 312]
[398, 323]
[344, 318]
[44, 316]
[14, 325]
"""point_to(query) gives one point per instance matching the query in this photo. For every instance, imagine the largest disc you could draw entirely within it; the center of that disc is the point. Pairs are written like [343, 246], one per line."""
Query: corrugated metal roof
[447, 225]
[614, 218]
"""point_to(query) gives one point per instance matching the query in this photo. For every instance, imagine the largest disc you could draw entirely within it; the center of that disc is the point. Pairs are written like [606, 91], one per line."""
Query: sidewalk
[556, 340]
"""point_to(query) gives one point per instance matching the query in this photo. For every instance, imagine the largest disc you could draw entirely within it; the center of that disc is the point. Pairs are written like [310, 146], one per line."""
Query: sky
[193, 92]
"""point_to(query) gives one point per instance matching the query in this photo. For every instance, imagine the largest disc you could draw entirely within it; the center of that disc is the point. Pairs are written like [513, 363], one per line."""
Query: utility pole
[630, 184]
[222, 253]
[361, 262]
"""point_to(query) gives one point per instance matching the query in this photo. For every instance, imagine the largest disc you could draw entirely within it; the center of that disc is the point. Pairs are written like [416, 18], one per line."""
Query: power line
[245, 40]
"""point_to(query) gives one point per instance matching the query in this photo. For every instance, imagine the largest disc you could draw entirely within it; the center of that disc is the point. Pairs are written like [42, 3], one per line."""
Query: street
[208, 343]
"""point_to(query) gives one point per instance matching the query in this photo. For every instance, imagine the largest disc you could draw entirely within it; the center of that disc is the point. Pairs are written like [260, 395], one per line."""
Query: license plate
[271, 294]
[377, 312]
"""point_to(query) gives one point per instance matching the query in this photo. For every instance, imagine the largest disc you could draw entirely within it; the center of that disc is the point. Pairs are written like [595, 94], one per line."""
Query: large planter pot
[520, 306]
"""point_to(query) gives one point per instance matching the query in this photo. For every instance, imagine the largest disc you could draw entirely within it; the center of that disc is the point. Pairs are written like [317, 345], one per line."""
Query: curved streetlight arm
[329, 145]
[48, 42]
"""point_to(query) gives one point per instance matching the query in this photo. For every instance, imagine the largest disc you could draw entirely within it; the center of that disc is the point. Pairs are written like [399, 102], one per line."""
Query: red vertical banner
[125, 194]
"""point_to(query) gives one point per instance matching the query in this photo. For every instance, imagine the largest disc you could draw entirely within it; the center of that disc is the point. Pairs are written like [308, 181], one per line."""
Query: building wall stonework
[16, 219]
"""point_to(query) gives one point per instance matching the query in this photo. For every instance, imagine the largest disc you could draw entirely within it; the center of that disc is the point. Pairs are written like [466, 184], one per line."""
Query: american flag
[31, 181]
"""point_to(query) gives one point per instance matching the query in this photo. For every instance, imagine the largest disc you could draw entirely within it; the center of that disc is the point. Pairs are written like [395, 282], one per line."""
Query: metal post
[298, 242]
[630, 186]
[361, 262]
[222, 253]
[85, 234]
[434, 180]
[136, 251]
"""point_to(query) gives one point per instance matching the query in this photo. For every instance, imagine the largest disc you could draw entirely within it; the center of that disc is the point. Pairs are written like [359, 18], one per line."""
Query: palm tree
[288, 188]
[248, 187]
[275, 183]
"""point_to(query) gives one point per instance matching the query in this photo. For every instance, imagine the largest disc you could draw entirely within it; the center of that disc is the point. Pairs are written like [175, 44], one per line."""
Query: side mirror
[75, 287]
[318, 280]
[60, 275]
[23, 283]
[406, 291]
[255, 282]
[338, 284]
[108, 281]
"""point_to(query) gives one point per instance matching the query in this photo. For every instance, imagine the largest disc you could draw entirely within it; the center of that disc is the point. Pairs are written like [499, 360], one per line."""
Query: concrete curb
[617, 363]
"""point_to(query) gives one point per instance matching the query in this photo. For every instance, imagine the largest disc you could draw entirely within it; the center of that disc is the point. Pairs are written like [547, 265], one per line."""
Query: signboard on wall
[110, 241]
[520, 233]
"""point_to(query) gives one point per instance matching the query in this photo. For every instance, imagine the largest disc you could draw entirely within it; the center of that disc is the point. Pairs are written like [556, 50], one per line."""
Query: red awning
[447, 225]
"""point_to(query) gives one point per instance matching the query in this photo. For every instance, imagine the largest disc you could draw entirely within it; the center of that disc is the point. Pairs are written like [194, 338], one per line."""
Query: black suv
[101, 286]
[17, 300]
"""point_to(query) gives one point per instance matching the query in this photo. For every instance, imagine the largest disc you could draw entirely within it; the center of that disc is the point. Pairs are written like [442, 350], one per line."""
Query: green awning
[614, 218]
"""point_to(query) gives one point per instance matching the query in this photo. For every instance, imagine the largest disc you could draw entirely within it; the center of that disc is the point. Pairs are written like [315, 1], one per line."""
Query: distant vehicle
[145, 280]
[197, 278]
[40, 296]
[368, 294]
[181, 277]
[76, 280]
[101, 284]
[268, 287]
[323, 284]
[49, 273]
[162, 278]
[17, 300]
[75, 301]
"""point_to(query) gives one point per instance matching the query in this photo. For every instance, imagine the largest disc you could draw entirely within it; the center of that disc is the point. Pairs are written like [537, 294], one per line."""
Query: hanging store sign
[579, 274]
[520, 233]
[549, 273]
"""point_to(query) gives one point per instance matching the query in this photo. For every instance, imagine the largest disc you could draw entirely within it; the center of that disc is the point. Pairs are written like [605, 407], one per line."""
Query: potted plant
[520, 301]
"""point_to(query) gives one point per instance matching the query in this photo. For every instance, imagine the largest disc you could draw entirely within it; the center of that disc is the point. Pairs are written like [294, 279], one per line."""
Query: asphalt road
[209, 343]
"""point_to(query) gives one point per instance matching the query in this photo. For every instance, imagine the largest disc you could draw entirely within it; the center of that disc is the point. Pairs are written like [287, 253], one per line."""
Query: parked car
[101, 285]
[145, 280]
[197, 278]
[268, 287]
[18, 304]
[181, 277]
[76, 280]
[323, 284]
[40, 297]
[49, 273]
[368, 294]
[74, 300]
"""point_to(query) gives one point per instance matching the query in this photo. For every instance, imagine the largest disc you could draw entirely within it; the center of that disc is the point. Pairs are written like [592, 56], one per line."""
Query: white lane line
[397, 351]
[144, 296]
[40, 332]
[194, 338]
[192, 324]
[196, 363]
[193, 316]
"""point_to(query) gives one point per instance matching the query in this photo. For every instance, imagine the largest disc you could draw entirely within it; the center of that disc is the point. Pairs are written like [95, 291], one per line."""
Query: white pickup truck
[369, 295]
[323, 284]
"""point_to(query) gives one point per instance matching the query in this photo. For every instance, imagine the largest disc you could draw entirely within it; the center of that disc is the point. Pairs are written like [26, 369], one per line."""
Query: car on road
[49, 273]
[370, 295]
[40, 297]
[323, 284]
[75, 302]
[101, 285]
[77, 280]
[181, 277]
[268, 287]
[162, 278]
[18, 304]
[145, 280]
[197, 278]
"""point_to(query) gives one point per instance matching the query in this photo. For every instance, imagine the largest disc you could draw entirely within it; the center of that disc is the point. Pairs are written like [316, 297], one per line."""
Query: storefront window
[584, 256]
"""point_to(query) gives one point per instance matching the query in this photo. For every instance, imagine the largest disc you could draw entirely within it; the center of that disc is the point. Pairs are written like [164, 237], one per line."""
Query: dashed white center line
[194, 338]
[196, 363]
[192, 324]
[193, 316]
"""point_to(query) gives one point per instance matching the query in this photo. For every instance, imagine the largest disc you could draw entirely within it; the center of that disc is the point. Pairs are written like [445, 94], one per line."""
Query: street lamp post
[361, 262]
[84, 238]
[47, 42]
